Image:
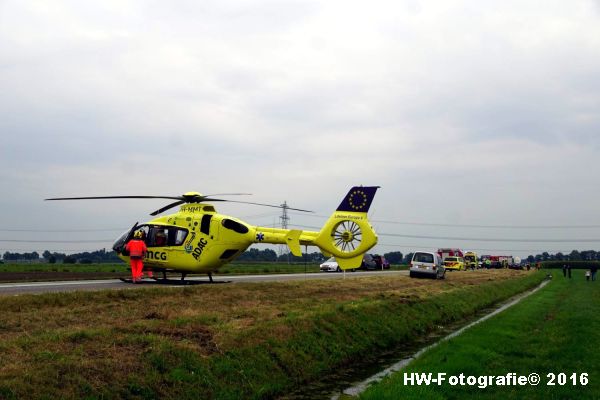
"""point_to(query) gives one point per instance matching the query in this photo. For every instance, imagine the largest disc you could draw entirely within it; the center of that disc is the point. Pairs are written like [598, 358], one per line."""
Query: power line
[318, 228]
[491, 239]
[469, 225]
[490, 226]
[477, 249]
[476, 239]
[259, 215]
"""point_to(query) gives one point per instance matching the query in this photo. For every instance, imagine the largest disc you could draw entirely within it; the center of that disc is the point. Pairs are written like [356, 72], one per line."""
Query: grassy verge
[244, 341]
[275, 268]
[553, 331]
[267, 268]
[572, 264]
[238, 268]
[48, 272]
[39, 272]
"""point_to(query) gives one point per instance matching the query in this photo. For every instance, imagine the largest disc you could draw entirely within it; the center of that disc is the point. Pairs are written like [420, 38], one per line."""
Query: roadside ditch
[349, 382]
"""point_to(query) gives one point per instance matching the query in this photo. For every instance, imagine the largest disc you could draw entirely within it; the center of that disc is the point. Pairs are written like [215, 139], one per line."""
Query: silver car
[330, 266]
[427, 265]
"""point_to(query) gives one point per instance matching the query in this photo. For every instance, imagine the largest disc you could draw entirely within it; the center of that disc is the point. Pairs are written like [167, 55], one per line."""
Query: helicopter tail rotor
[348, 234]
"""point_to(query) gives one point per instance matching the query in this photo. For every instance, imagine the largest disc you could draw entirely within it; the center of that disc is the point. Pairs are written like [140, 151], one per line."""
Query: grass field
[266, 268]
[45, 272]
[556, 330]
[235, 341]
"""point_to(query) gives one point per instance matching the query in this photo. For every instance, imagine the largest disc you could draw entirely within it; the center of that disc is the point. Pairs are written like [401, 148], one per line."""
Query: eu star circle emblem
[357, 200]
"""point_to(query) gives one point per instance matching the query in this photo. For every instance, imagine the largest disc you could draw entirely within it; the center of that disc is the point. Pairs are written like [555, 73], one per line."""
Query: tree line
[251, 255]
[575, 255]
[255, 255]
[86, 257]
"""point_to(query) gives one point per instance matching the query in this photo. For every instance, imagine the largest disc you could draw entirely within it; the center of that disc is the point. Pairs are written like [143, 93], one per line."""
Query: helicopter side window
[144, 229]
[205, 224]
[234, 226]
[179, 236]
[161, 236]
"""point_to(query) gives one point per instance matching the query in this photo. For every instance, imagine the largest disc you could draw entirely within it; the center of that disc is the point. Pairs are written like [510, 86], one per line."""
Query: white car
[425, 264]
[330, 266]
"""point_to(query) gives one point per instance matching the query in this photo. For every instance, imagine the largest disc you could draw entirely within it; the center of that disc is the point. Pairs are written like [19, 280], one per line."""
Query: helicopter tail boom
[280, 236]
[346, 235]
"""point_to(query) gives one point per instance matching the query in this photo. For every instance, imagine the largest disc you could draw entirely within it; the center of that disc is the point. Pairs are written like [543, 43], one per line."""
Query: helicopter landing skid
[184, 282]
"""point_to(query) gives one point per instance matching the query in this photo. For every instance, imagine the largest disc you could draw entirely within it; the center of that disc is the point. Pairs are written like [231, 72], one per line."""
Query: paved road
[70, 286]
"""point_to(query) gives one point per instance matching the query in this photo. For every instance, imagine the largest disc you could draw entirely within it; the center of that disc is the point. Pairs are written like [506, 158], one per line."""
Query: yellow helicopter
[197, 239]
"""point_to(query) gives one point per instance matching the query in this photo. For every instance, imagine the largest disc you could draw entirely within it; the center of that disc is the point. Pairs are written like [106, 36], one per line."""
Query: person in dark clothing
[565, 270]
[594, 270]
[569, 271]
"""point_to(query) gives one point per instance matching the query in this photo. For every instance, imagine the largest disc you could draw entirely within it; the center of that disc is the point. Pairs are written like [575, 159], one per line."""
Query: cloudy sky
[465, 113]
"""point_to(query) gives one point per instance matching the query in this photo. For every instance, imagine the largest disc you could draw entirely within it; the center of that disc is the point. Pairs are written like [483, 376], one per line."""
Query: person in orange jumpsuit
[148, 271]
[137, 250]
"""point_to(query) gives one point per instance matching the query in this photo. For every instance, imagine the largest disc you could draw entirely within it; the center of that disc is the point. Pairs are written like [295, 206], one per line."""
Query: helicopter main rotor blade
[228, 194]
[116, 197]
[189, 198]
[169, 206]
[264, 205]
[180, 202]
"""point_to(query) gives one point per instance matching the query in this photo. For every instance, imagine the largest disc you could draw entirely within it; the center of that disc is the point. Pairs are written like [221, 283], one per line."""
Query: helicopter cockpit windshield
[119, 244]
[154, 236]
